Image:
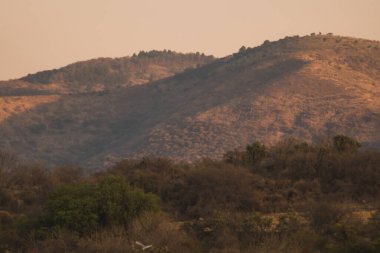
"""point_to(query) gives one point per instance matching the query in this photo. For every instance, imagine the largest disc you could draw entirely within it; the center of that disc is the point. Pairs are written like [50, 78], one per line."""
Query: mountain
[309, 87]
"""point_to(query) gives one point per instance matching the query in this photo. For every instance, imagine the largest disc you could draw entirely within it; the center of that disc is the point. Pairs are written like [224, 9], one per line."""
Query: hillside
[105, 74]
[310, 88]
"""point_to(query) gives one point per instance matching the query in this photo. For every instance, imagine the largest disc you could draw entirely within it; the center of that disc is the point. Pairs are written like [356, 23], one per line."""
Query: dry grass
[14, 105]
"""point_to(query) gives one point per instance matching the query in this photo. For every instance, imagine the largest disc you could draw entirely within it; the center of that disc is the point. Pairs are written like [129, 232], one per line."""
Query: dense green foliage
[120, 204]
[290, 197]
[73, 207]
[84, 208]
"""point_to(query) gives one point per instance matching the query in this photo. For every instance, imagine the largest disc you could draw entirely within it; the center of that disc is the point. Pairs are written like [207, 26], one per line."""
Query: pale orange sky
[44, 34]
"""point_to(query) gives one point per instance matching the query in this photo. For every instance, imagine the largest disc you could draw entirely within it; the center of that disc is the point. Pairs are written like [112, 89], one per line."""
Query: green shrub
[74, 208]
[120, 204]
[83, 208]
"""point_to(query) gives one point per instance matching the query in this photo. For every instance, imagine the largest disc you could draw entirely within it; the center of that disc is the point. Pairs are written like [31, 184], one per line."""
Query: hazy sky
[43, 34]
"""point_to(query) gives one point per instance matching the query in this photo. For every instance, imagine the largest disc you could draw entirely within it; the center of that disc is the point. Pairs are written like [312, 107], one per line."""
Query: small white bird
[144, 247]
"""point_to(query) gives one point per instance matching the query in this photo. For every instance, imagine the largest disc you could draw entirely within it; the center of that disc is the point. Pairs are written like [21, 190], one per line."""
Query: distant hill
[309, 87]
[105, 74]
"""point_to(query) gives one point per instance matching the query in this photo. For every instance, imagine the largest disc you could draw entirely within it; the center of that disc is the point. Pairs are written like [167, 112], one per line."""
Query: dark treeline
[290, 197]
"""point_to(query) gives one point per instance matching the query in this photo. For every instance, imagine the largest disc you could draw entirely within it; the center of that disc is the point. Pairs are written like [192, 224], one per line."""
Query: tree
[120, 204]
[83, 208]
[242, 49]
[343, 143]
[254, 153]
[266, 42]
[73, 208]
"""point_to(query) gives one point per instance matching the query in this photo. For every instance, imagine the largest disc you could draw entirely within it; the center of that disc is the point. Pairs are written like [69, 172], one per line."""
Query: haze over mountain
[308, 87]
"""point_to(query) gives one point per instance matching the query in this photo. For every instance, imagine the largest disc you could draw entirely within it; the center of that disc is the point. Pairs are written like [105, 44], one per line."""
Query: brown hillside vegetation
[310, 87]
[105, 74]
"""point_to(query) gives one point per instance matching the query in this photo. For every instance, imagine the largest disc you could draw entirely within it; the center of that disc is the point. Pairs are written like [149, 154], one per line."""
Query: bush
[323, 215]
[211, 187]
[234, 157]
[344, 143]
[74, 208]
[120, 204]
[254, 229]
[213, 233]
[83, 208]
[156, 175]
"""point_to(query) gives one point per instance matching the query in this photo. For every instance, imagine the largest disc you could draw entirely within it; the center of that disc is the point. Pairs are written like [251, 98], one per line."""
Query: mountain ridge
[104, 74]
[308, 87]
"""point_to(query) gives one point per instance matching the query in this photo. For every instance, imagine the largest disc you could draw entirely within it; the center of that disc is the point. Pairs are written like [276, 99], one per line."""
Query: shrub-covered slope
[105, 74]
